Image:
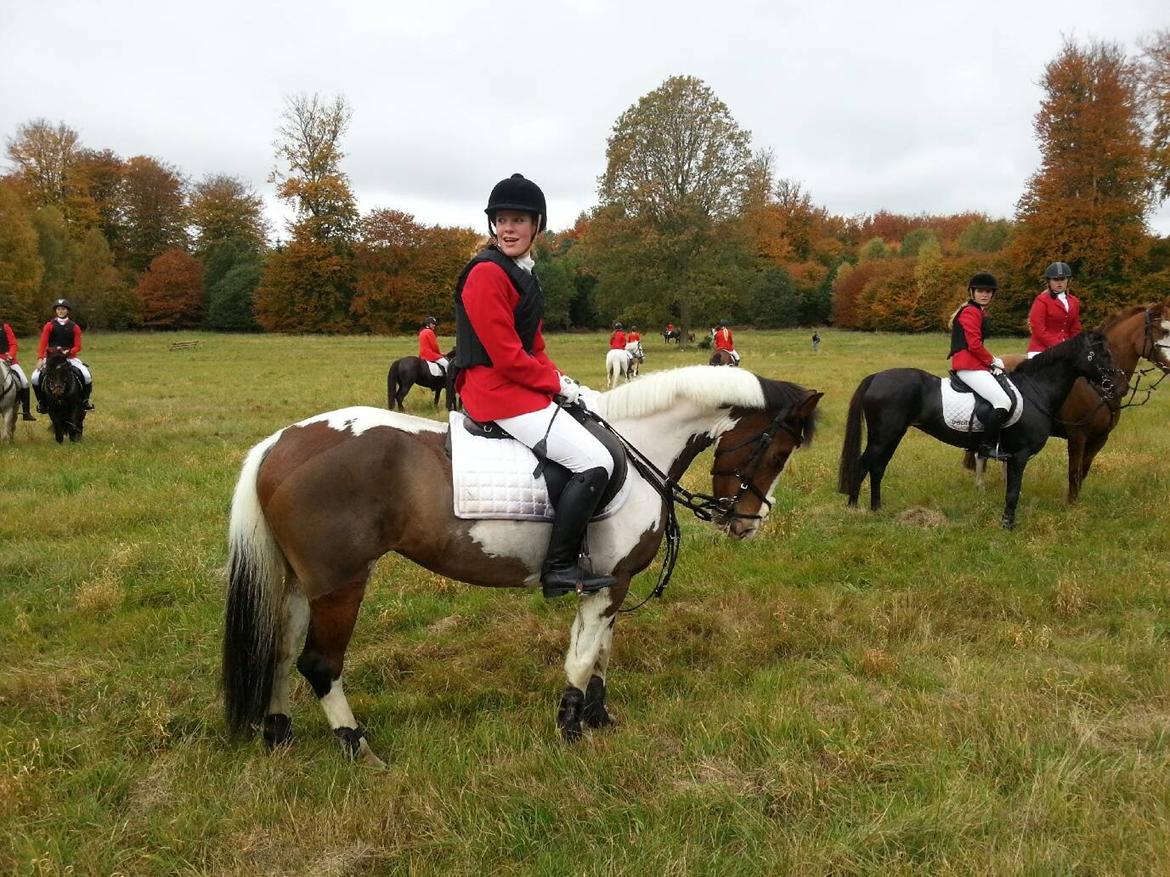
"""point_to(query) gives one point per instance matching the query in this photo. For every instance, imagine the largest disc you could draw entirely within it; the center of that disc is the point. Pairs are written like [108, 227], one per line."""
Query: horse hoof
[595, 713]
[277, 730]
[569, 715]
[1009, 524]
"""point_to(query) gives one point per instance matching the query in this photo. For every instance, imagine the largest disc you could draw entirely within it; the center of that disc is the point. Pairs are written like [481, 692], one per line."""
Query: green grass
[849, 693]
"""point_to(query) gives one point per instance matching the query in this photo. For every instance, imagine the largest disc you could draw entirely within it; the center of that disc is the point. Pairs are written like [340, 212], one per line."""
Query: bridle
[1149, 351]
[703, 506]
[1105, 389]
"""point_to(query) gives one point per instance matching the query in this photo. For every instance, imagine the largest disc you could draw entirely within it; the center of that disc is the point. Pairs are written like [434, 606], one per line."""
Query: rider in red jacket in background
[428, 344]
[1055, 315]
[8, 355]
[63, 334]
[617, 341]
[725, 341]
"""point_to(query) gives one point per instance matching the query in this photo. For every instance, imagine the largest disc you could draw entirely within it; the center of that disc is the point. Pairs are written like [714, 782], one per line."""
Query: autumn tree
[677, 169]
[96, 198]
[20, 264]
[1087, 203]
[58, 255]
[152, 211]
[224, 208]
[309, 287]
[1155, 92]
[44, 154]
[171, 291]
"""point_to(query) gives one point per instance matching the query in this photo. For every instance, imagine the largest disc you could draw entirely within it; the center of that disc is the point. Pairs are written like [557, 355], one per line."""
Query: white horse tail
[614, 360]
[256, 572]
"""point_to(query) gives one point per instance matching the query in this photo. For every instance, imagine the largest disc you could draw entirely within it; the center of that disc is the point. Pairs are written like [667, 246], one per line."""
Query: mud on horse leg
[331, 620]
[277, 723]
[591, 636]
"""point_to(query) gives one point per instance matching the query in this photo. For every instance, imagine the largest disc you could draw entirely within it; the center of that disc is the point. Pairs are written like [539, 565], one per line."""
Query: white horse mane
[704, 385]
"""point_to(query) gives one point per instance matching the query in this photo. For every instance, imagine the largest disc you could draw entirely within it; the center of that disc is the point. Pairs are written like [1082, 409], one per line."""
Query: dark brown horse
[320, 501]
[404, 373]
[63, 392]
[1086, 418]
[722, 357]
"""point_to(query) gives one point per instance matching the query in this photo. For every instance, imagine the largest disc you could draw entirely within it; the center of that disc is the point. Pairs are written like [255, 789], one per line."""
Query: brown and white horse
[319, 502]
[8, 388]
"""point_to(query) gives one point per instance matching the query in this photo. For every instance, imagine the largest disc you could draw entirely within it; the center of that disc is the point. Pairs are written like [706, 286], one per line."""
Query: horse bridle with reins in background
[1149, 349]
[1105, 390]
[702, 505]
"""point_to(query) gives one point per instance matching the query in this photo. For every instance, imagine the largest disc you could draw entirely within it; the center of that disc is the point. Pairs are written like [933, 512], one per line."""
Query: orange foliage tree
[171, 291]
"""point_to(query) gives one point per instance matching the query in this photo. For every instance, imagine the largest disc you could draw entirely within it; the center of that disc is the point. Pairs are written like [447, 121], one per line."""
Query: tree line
[691, 225]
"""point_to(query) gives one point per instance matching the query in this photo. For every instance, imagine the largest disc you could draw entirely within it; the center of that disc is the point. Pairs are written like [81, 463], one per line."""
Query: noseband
[725, 506]
[1150, 348]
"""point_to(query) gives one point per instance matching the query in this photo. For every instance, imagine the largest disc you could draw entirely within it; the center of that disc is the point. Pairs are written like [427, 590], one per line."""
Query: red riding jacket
[617, 341]
[724, 340]
[428, 345]
[516, 382]
[975, 356]
[8, 344]
[1051, 323]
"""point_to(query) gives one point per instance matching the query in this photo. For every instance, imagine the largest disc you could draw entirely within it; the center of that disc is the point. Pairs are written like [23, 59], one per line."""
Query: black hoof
[595, 713]
[569, 715]
[277, 730]
[1009, 523]
[351, 740]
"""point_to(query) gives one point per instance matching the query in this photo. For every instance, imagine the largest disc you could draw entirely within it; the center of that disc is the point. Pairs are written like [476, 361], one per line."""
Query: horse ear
[808, 404]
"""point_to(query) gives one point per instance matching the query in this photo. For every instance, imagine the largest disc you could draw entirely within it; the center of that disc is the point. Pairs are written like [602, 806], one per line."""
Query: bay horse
[894, 400]
[404, 373]
[63, 392]
[1086, 418]
[318, 503]
[722, 357]
[8, 390]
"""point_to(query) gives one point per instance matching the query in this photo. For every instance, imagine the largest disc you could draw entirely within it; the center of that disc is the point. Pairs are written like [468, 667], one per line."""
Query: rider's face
[514, 232]
[1058, 285]
[983, 297]
[61, 313]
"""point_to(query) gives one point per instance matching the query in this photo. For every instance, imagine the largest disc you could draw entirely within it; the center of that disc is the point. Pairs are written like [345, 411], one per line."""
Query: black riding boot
[989, 444]
[562, 572]
[85, 393]
[22, 396]
[41, 409]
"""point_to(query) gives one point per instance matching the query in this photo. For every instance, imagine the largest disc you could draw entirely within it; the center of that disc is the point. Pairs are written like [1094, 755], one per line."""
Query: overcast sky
[914, 106]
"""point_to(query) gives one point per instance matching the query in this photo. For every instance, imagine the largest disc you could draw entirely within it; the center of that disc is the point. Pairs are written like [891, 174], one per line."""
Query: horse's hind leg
[331, 620]
[591, 636]
[277, 721]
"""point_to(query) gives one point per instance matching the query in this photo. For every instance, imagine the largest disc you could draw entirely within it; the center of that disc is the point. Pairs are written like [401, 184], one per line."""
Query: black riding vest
[958, 337]
[3, 339]
[469, 350]
[61, 335]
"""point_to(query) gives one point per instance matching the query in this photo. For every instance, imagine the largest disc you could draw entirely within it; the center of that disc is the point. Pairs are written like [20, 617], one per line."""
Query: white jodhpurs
[569, 443]
[437, 367]
[19, 372]
[81, 367]
[985, 384]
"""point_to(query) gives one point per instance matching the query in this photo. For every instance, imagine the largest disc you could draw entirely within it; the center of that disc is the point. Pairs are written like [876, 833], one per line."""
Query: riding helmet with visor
[518, 193]
[62, 303]
[1058, 271]
[983, 280]
[430, 321]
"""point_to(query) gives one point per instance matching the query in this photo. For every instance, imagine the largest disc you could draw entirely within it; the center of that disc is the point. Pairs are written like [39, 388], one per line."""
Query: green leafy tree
[678, 168]
[225, 208]
[773, 299]
[984, 236]
[58, 255]
[108, 301]
[230, 299]
[914, 241]
[20, 264]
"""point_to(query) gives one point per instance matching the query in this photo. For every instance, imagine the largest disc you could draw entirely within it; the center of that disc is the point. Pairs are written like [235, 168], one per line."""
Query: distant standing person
[725, 341]
[428, 347]
[1055, 315]
[816, 342]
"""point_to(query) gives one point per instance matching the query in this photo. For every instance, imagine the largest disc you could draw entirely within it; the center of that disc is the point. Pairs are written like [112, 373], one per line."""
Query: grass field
[912, 692]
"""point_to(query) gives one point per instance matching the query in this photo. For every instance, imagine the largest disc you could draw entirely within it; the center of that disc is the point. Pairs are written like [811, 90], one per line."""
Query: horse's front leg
[591, 635]
[596, 712]
[1015, 480]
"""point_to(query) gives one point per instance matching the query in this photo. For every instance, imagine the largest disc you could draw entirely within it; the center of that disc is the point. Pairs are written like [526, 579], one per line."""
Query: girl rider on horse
[973, 362]
[1055, 315]
[506, 376]
[617, 341]
[63, 334]
[428, 344]
[725, 341]
[8, 355]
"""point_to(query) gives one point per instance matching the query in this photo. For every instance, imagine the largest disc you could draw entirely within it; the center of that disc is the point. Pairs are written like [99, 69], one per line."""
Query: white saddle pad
[434, 367]
[492, 479]
[959, 408]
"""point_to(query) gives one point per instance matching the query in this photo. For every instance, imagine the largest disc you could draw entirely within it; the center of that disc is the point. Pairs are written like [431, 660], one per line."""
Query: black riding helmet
[430, 321]
[982, 280]
[62, 303]
[517, 193]
[617, 326]
[1058, 271]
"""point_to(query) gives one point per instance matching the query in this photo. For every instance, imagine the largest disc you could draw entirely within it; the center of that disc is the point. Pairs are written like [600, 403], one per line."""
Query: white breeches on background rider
[985, 384]
[569, 443]
[437, 366]
[81, 367]
[19, 372]
[733, 352]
